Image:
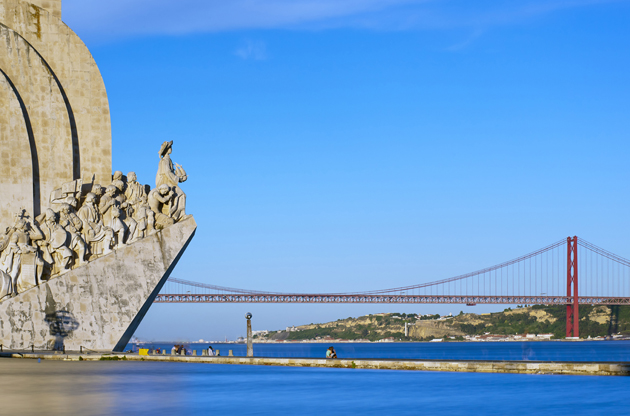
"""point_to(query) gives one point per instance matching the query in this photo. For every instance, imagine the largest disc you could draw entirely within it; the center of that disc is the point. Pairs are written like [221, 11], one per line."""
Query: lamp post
[250, 347]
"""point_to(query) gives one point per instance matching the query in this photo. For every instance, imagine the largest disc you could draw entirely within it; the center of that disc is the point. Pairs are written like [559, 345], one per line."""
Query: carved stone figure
[145, 218]
[126, 211]
[171, 176]
[82, 227]
[55, 242]
[20, 259]
[98, 192]
[158, 199]
[134, 191]
[73, 225]
[95, 232]
[107, 201]
[111, 215]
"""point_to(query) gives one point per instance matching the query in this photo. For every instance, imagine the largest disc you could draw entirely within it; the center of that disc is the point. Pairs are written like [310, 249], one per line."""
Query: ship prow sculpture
[85, 272]
[85, 251]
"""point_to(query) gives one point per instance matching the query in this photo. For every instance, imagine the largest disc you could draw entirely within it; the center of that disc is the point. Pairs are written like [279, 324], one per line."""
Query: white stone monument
[84, 251]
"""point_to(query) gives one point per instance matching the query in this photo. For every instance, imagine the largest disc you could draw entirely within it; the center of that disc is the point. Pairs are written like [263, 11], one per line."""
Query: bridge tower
[573, 316]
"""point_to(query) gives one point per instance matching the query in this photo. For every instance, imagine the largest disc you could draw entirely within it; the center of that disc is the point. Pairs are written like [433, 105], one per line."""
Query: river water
[531, 351]
[113, 388]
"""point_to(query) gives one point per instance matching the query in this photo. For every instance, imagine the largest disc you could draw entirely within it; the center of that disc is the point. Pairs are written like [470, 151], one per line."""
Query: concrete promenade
[512, 367]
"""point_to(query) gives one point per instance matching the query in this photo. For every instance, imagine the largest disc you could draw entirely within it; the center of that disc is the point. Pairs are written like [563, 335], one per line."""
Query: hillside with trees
[595, 321]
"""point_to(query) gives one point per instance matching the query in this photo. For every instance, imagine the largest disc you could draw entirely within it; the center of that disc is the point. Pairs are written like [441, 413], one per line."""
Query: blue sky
[355, 145]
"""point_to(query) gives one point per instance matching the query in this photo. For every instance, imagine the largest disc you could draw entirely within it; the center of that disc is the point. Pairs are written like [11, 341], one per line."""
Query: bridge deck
[335, 298]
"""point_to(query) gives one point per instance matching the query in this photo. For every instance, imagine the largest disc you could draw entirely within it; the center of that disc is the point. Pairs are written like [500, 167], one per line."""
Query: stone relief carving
[87, 221]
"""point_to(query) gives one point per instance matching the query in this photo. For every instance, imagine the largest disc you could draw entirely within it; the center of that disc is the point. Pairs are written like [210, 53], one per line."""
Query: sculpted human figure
[20, 246]
[107, 201]
[158, 198]
[172, 176]
[11, 257]
[134, 191]
[127, 210]
[109, 208]
[98, 192]
[55, 241]
[145, 217]
[71, 222]
[94, 231]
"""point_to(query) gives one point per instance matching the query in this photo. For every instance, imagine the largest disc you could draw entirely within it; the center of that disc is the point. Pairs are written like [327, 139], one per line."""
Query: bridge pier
[573, 316]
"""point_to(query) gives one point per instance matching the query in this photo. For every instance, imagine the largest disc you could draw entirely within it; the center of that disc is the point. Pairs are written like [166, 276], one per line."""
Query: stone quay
[459, 366]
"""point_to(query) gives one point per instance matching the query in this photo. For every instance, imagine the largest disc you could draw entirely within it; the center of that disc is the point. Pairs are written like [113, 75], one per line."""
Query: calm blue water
[531, 351]
[135, 388]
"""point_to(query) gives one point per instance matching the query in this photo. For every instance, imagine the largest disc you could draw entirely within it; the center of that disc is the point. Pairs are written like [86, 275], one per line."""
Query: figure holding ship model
[172, 176]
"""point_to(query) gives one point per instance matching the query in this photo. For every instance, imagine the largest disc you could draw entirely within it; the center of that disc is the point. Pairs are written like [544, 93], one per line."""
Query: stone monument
[83, 252]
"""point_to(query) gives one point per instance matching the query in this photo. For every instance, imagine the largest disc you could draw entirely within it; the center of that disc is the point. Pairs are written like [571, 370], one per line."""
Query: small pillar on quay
[250, 347]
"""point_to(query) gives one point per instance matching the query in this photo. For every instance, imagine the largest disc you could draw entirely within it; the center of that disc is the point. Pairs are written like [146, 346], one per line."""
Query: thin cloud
[124, 18]
[255, 50]
[462, 45]
[142, 17]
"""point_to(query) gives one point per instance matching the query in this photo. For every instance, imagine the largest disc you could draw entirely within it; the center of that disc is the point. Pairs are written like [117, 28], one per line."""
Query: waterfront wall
[511, 367]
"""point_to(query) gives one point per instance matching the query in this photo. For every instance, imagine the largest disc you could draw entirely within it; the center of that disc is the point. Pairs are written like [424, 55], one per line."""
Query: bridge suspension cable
[545, 276]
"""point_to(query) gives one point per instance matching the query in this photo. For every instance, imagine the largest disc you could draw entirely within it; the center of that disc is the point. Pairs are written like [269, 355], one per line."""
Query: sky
[346, 145]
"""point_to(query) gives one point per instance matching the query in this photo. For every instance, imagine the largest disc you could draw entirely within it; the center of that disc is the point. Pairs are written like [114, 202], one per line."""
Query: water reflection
[541, 350]
[114, 388]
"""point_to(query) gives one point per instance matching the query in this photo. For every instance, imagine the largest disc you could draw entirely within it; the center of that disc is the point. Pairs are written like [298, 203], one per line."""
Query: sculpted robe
[93, 229]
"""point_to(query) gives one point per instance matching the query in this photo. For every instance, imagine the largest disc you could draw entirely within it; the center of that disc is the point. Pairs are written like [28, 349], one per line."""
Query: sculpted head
[20, 224]
[111, 190]
[163, 189]
[131, 177]
[117, 176]
[167, 148]
[65, 208]
[90, 198]
[51, 215]
[120, 185]
[71, 202]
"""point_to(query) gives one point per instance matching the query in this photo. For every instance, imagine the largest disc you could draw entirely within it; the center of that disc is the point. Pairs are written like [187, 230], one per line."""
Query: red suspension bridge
[548, 276]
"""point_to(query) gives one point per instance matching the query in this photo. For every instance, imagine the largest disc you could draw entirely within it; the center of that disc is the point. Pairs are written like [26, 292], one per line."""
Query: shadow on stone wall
[62, 324]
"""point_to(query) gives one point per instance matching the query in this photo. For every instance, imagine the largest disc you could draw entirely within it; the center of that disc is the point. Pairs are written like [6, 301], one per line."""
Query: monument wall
[64, 120]
[52, 6]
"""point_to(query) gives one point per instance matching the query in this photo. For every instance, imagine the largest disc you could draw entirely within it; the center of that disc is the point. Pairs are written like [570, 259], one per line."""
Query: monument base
[100, 304]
